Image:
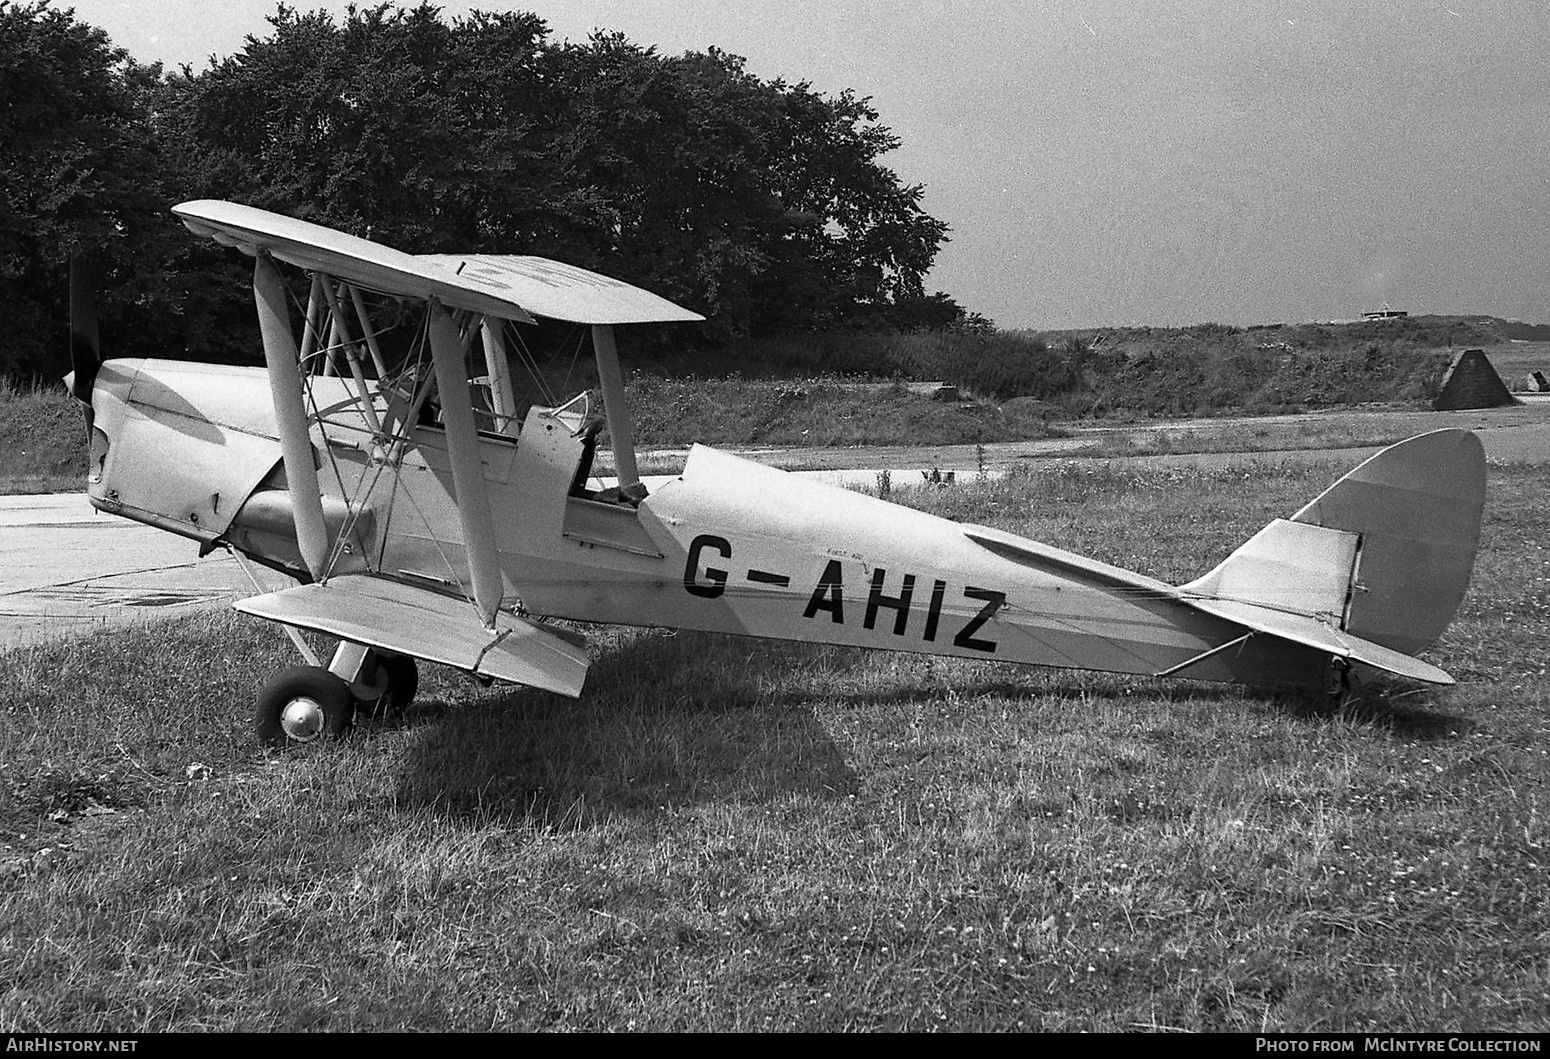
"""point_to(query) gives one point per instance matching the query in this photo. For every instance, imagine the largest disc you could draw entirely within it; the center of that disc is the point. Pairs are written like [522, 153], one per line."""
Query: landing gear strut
[380, 682]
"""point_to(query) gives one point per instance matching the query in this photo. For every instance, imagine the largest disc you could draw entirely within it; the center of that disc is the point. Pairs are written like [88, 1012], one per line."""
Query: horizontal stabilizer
[413, 621]
[1311, 632]
[1287, 566]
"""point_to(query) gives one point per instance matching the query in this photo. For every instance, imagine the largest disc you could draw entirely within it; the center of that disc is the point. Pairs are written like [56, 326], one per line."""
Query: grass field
[732, 834]
[1160, 438]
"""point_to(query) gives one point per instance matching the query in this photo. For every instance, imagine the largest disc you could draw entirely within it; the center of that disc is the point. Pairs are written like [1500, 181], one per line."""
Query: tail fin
[1383, 555]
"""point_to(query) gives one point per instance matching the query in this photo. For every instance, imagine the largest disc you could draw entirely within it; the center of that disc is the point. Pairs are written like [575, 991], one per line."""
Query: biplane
[380, 458]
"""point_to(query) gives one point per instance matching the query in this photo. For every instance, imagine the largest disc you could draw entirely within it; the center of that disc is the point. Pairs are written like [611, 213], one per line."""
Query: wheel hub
[302, 719]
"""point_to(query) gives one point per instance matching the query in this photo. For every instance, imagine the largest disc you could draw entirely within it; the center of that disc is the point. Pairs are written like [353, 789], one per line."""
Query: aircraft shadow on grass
[662, 730]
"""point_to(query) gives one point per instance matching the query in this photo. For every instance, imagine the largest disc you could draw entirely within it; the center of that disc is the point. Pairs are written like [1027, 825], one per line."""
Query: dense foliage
[77, 169]
[761, 203]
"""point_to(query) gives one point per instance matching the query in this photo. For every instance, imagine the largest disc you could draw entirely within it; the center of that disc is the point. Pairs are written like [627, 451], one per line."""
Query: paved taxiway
[68, 569]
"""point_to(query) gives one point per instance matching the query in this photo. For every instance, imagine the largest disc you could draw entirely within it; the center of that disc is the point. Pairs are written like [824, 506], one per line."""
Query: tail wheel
[403, 682]
[303, 704]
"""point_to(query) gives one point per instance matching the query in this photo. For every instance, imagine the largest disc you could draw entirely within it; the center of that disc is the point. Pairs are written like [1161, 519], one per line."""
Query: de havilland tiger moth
[380, 459]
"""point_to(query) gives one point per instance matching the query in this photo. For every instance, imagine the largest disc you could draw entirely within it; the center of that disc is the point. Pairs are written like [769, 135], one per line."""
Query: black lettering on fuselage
[829, 595]
[934, 612]
[764, 577]
[993, 601]
[715, 582]
[899, 604]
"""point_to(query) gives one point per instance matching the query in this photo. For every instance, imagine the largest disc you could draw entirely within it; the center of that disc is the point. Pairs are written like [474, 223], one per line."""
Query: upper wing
[504, 285]
[347, 257]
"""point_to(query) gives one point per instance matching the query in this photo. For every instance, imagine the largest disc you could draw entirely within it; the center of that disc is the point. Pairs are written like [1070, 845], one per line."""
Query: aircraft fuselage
[728, 546]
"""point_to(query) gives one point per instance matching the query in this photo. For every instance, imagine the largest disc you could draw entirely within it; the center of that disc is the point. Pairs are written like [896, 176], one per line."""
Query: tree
[386, 122]
[761, 203]
[77, 172]
[766, 200]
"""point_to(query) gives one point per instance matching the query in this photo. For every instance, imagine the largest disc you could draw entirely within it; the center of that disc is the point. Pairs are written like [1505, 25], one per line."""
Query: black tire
[330, 693]
[403, 682]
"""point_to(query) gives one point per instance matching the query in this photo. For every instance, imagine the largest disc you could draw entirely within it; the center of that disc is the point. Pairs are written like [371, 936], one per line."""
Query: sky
[1138, 162]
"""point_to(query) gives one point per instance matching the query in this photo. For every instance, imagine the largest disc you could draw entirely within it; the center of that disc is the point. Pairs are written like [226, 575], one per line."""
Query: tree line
[761, 203]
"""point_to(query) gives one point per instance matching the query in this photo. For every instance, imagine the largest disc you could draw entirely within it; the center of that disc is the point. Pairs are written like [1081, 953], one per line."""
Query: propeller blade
[85, 351]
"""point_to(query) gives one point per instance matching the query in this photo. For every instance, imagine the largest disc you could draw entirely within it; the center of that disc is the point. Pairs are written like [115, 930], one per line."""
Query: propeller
[85, 350]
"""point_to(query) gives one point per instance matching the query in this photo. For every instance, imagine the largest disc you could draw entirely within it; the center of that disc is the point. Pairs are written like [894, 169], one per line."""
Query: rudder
[1416, 507]
[1384, 554]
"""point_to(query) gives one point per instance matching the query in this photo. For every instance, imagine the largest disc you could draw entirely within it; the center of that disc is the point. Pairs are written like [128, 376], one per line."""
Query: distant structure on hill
[1385, 313]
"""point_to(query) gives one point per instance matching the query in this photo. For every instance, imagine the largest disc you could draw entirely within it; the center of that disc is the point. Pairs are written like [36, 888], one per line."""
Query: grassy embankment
[42, 441]
[732, 834]
[1210, 369]
[43, 447]
[1020, 386]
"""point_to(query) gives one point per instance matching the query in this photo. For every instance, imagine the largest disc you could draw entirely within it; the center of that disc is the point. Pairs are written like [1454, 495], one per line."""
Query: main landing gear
[304, 704]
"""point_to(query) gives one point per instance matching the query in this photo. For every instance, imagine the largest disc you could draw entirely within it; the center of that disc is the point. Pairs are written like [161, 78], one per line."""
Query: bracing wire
[412, 369]
[574, 357]
[530, 363]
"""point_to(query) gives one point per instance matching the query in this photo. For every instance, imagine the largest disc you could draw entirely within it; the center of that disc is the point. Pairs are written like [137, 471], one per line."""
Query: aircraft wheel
[403, 681]
[303, 704]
